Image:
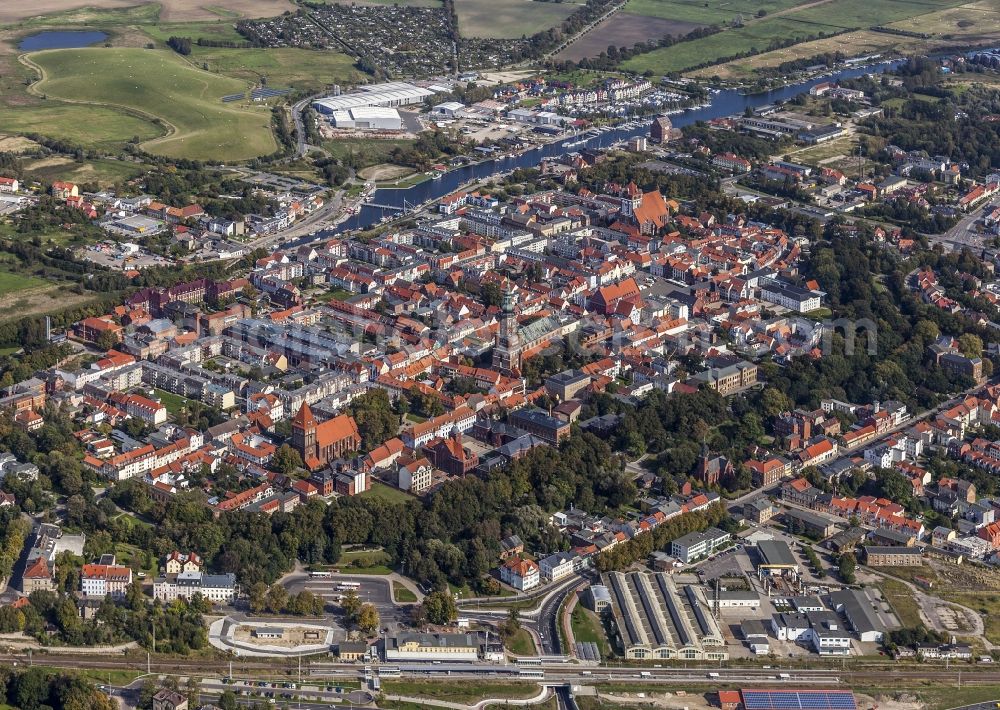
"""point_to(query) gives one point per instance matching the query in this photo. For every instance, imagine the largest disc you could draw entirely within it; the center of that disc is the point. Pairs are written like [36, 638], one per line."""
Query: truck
[645, 674]
[784, 676]
[713, 675]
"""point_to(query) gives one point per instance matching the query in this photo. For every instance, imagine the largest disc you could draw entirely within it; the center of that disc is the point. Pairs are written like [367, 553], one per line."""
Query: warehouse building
[857, 608]
[395, 93]
[449, 109]
[776, 559]
[368, 117]
[655, 619]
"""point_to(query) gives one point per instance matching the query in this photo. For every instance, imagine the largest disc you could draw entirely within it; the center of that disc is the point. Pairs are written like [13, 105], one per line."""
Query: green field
[89, 126]
[800, 24]
[509, 19]
[901, 600]
[220, 31]
[366, 153]
[173, 402]
[283, 68]
[587, 627]
[11, 282]
[713, 12]
[387, 493]
[159, 84]
[521, 643]
[103, 172]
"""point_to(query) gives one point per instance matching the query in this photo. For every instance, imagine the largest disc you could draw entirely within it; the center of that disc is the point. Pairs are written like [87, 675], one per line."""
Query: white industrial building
[372, 117]
[395, 93]
[448, 109]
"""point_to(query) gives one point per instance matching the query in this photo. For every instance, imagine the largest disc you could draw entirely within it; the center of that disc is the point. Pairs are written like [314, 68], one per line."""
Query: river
[728, 102]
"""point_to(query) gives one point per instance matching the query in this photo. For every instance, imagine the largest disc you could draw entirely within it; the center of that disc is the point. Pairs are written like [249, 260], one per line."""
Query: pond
[61, 40]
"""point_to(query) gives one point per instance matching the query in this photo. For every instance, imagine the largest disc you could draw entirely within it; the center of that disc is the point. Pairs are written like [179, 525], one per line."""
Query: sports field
[508, 19]
[160, 85]
[800, 23]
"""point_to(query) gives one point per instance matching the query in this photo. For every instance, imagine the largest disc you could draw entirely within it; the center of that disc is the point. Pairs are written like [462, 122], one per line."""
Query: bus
[531, 673]
[348, 586]
[320, 575]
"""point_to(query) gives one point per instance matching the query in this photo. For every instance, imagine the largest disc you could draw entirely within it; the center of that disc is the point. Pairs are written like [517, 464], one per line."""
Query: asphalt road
[963, 234]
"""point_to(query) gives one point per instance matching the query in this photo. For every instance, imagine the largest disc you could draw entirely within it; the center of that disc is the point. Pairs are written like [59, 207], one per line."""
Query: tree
[351, 604]
[227, 701]
[970, 344]
[847, 566]
[258, 597]
[277, 598]
[368, 620]
[286, 460]
[440, 608]
[106, 340]
[511, 625]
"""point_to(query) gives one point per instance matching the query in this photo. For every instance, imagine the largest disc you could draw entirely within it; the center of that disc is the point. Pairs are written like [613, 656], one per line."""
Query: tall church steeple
[507, 348]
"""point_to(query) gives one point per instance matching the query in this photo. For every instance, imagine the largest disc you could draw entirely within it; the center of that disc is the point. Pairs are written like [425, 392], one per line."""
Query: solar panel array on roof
[799, 700]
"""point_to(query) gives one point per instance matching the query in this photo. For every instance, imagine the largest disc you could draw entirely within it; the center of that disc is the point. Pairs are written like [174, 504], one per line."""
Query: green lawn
[521, 643]
[173, 402]
[388, 493]
[402, 595]
[367, 557]
[587, 627]
[158, 83]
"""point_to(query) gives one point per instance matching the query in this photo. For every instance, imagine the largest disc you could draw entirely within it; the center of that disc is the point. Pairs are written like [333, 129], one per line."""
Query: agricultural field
[509, 19]
[801, 23]
[713, 12]
[623, 29]
[973, 20]
[162, 87]
[82, 11]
